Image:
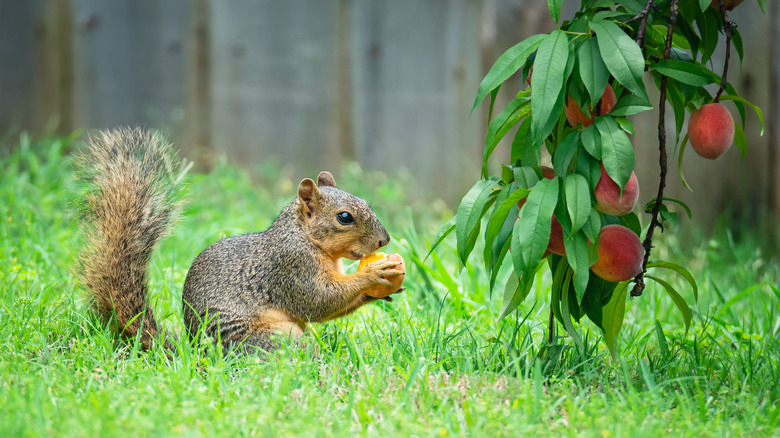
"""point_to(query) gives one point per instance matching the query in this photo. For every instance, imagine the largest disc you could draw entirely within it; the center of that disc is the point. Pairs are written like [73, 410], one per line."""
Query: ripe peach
[380, 292]
[555, 245]
[620, 254]
[728, 4]
[711, 130]
[575, 115]
[608, 197]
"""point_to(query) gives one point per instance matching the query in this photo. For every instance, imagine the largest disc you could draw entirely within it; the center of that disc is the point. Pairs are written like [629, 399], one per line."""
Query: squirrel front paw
[387, 276]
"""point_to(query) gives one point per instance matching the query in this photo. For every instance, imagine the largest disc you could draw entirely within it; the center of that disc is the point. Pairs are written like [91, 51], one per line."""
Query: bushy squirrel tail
[134, 180]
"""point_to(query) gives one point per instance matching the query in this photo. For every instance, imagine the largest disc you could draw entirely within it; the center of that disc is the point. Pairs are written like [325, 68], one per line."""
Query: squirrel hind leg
[270, 330]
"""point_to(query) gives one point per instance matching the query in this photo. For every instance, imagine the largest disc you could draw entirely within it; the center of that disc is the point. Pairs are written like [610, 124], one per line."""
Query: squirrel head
[341, 224]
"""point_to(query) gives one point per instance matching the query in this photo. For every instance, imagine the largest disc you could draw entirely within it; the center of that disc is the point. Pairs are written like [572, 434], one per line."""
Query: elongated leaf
[469, 213]
[592, 69]
[555, 9]
[547, 84]
[681, 204]
[630, 105]
[565, 313]
[577, 253]
[679, 301]
[680, 162]
[612, 317]
[500, 125]
[740, 139]
[621, 55]
[532, 229]
[591, 141]
[740, 99]
[498, 219]
[690, 73]
[565, 152]
[506, 65]
[617, 154]
[680, 270]
[514, 294]
[577, 200]
[523, 147]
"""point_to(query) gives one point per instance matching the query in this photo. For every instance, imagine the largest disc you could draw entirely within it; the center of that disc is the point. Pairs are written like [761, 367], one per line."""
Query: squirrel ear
[309, 197]
[326, 179]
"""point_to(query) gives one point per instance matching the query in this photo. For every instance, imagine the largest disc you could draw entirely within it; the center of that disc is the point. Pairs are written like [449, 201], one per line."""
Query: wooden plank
[415, 75]
[274, 83]
[18, 24]
[129, 63]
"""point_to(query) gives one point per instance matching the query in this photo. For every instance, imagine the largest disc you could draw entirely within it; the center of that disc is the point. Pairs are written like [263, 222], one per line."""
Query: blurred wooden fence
[388, 83]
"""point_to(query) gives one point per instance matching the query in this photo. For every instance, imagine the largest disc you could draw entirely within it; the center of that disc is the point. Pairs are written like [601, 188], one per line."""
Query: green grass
[435, 362]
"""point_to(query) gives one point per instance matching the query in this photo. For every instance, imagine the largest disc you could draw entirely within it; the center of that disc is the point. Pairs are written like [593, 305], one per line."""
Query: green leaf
[758, 111]
[612, 317]
[505, 66]
[500, 125]
[531, 232]
[681, 204]
[592, 227]
[522, 145]
[680, 270]
[577, 200]
[617, 154]
[621, 55]
[680, 162]
[592, 69]
[630, 105]
[565, 152]
[704, 4]
[514, 294]
[547, 84]
[678, 300]
[690, 73]
[469, 213]
[565, 312]
[555, 9]
[740, 139]
[591, 140]
[498, 219]
[577, 253]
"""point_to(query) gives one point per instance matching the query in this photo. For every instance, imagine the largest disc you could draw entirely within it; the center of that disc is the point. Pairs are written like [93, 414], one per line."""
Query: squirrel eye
[345, 218]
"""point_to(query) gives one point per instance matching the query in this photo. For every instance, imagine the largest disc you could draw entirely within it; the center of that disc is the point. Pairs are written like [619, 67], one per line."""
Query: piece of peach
[609, 199]
[620, 254]
[711, 130]
[383, 291]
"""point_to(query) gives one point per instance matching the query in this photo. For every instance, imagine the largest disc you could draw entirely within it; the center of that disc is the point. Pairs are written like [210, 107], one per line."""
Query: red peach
[620, 254]
[575, 115]
[711, 130]
[383, 291]
[608, 196]
[555, 245]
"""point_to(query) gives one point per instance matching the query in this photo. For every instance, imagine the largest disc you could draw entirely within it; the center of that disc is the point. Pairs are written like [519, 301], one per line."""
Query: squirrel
[244, 290]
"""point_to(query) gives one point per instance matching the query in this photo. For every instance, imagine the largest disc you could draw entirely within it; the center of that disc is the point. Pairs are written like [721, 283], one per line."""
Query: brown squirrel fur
[246, 289]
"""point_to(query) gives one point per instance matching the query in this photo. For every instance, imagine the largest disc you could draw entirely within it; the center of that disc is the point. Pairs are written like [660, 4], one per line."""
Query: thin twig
[642, 15]
[728, 29]
[639, 286]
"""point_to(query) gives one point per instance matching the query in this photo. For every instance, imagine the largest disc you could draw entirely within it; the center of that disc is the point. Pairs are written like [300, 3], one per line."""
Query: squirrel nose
[384, 239]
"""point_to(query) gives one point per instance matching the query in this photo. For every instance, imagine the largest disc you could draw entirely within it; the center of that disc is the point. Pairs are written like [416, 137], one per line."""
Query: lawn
[434, 362]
